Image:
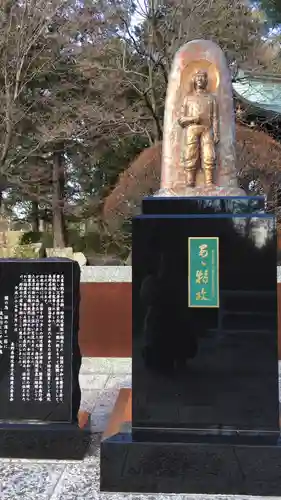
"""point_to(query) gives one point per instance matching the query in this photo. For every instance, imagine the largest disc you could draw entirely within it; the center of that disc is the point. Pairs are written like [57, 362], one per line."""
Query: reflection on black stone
[163, 298]
[205, 368]
[211, 205]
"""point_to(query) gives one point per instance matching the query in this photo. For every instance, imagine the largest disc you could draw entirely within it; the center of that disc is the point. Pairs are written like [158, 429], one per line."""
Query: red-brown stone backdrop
[106, 319]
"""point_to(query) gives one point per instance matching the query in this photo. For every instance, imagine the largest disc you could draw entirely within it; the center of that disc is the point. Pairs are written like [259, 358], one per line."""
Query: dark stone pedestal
[197, 465]
[63, 441]
[209, 205]
[40, 360]
[205, 410]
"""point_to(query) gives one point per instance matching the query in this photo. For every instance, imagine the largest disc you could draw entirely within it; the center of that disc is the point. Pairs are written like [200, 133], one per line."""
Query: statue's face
[201, 81]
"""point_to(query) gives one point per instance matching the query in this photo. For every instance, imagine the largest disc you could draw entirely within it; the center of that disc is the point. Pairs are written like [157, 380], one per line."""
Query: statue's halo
[195, 67]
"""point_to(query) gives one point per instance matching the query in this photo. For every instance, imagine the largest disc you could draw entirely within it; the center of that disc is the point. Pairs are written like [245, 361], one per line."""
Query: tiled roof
[260, 91]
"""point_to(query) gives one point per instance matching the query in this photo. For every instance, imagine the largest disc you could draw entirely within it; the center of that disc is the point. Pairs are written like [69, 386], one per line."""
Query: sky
[141, 7]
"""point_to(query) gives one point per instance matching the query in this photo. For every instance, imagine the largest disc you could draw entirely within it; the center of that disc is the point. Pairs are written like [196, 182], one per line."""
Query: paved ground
[100, 380]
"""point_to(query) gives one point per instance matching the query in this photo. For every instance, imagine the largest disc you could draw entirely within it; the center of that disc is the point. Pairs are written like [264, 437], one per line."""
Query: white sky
[141, 9]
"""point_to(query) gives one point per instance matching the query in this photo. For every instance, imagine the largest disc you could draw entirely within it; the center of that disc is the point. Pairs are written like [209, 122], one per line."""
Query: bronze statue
[199, 125]
[199, 119]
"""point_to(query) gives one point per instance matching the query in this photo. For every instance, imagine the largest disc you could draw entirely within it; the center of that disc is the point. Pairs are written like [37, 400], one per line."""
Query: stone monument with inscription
[40, 359]
[203, 414]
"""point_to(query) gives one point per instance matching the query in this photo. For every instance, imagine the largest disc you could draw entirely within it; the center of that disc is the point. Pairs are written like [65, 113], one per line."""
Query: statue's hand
[186, 120]
[182, 121]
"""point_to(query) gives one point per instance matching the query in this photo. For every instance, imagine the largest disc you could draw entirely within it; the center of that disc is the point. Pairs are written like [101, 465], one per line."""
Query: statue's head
[200, 80]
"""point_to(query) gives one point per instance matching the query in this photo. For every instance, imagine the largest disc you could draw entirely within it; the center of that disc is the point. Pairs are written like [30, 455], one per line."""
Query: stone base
[54, 441]
[201, 191]
[196, 467]
[67, 253]
[187, 463]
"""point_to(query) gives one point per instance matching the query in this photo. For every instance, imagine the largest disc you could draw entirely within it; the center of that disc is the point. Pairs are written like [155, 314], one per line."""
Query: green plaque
[203, 279]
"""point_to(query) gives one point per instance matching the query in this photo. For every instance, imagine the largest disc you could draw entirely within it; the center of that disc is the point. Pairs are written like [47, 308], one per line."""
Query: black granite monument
[205, 402]
[205, 410]
[40, 359]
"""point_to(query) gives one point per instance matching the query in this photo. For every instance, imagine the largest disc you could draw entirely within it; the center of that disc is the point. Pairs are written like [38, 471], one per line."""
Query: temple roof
[261, 92]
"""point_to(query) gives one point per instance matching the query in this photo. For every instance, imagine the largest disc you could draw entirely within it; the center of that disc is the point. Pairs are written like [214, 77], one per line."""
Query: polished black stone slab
[205, 411]
[196, 368]
[227, 466]
[39, 352]
[212, 205]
